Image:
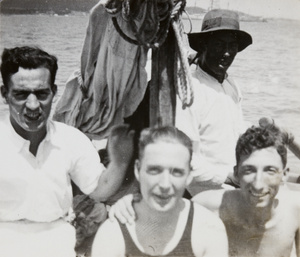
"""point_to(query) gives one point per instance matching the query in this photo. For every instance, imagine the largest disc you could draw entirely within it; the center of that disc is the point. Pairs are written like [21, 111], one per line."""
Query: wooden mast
[162, 85]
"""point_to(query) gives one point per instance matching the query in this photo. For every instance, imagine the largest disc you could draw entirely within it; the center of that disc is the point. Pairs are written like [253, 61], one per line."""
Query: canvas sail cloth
[113, 79]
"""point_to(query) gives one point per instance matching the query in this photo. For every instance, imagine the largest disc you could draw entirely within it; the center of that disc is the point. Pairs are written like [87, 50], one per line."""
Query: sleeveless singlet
[183, 248]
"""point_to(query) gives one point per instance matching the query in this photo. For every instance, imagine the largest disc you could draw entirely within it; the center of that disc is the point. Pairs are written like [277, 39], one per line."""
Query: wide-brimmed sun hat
[220, 20]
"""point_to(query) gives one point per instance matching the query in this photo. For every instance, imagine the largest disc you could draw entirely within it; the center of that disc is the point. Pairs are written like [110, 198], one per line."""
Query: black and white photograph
[150, 128]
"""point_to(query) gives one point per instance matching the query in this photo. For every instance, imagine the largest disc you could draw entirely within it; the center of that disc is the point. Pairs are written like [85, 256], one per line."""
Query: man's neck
[259, 216]
[154, 228]
[34, 137]
[149, 215]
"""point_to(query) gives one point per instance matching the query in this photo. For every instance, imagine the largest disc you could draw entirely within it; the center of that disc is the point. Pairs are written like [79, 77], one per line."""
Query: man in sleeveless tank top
[166, 224]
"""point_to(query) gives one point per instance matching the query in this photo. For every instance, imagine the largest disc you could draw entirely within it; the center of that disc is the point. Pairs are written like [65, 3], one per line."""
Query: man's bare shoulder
[208, 234]
[215, 199]
[289, 198]
[205, 215]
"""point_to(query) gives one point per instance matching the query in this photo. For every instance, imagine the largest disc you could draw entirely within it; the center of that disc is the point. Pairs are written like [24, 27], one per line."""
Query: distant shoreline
[85, 13]
[195, 13]
[9, 8]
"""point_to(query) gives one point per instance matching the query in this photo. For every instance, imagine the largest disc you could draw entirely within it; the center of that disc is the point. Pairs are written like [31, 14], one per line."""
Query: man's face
[163, 173]
[221, 48]
[30, 98]
[260, 175]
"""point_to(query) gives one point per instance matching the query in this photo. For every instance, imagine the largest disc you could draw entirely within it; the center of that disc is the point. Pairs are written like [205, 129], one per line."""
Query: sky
[287, 9]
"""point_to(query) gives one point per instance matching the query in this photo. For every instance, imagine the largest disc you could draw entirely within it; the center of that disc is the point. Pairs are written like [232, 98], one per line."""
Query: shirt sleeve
[86, 165]
[195, 121]
[189, 119]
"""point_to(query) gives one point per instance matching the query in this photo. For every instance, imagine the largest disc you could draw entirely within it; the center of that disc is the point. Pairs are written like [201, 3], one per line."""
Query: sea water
[268, 72]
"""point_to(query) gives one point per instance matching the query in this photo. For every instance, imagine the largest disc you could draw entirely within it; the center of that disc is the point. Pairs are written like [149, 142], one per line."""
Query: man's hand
[123, 209]
[120, 145]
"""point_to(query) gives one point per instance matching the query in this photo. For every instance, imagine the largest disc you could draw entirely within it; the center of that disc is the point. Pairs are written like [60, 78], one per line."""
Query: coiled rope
[153, 35]
[184, 89]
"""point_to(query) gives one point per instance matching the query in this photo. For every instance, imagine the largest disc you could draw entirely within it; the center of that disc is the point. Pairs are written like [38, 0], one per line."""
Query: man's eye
[271, 170]
[234, 46]
[218, 45]
[21, 95]
[247, 171]
[42, 95]
[177, 173]
[153, 171]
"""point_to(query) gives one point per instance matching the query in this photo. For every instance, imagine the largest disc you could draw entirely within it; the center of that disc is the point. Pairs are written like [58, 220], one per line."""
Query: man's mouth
[224, 64]
[258, 195]
[163, 199]
[32, 116]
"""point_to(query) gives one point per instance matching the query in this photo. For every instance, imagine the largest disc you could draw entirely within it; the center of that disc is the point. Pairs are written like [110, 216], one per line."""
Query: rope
[190, 22]
[163, 14]
[122, 34]
[161, 18]
[185, 89]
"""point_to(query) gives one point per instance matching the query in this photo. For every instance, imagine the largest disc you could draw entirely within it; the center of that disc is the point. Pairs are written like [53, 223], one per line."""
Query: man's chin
[164, 205]
[34, 126]
[222, 69]
[261, 203]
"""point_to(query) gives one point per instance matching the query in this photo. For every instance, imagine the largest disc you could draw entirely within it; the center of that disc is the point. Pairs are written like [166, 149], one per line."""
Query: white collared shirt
[214, 123]
[38, 188]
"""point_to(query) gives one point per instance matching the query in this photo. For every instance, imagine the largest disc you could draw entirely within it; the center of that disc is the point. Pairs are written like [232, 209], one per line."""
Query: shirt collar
[207, 76]
[51, 134]
[20, 143]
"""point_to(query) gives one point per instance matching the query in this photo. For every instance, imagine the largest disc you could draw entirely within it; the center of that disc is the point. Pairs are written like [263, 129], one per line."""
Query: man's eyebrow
[154, 166]
[30, 90]
[247, 166]
[272, 166]
[178, 169]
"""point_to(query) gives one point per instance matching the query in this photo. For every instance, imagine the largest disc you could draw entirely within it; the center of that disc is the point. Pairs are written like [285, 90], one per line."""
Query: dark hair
[27, 58]
[256, 138]
[167, 134]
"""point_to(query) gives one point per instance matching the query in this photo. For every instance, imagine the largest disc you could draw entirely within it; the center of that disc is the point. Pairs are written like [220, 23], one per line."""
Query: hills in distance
[62, 7]
[45, 6]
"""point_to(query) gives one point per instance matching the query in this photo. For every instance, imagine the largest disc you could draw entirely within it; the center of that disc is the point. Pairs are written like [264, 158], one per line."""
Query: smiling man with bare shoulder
[261, 218]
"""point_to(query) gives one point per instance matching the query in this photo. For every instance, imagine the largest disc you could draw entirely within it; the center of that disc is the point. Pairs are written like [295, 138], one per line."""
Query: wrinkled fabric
[214, 123]
[89, 214]
[38, 188]
[113, 75]
[35, 239]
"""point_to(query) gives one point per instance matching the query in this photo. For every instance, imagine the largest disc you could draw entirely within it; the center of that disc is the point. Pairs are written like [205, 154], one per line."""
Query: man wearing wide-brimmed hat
[214, 121]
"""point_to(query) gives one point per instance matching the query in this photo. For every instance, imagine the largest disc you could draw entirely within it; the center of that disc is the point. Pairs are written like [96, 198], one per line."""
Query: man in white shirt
[214, 120]
[40, 157]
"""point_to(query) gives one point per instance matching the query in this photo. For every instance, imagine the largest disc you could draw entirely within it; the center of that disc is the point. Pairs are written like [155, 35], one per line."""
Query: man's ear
[189, 179]
[4, 92]
[137, 170]
[285, 174]
[54, 89]
[236, 173]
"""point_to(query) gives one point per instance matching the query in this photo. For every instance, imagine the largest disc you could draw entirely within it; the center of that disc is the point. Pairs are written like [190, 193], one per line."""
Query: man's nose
[227, 50]
[226, 54]
[258, 181]
[165, 180]
[32, 102]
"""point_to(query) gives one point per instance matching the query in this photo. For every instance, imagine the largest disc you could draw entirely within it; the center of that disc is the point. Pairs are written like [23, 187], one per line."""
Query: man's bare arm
[297, 239]
[120, 151]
